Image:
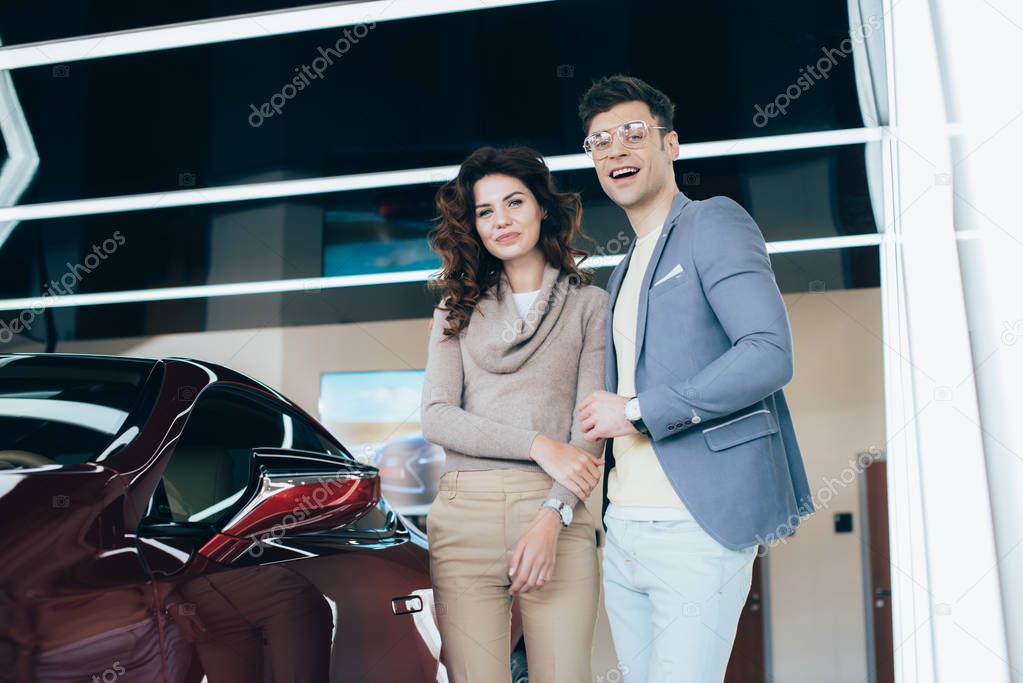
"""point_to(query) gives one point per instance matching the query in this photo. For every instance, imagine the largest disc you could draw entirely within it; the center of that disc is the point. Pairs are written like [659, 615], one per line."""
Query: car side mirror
[295, 492]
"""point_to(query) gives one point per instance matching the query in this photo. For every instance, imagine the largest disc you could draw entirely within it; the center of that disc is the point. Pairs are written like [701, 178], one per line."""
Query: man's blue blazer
[713, 351]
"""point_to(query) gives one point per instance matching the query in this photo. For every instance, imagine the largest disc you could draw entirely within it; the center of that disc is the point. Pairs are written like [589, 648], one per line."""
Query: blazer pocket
[740, 430]
[668, 285]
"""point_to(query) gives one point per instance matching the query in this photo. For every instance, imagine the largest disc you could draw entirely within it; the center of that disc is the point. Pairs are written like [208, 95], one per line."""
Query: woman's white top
[523, 300]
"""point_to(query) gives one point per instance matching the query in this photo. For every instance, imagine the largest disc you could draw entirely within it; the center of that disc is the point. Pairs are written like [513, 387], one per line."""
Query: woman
[515, 343]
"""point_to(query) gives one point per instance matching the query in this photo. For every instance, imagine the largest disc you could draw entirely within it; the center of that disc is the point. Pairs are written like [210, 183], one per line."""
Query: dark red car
[173, 520]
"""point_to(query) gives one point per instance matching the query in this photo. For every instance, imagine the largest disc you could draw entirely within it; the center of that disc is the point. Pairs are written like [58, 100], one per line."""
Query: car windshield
[64, 410]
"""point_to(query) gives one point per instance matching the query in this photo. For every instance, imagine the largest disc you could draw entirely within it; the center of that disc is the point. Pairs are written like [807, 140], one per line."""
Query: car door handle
[407, 604]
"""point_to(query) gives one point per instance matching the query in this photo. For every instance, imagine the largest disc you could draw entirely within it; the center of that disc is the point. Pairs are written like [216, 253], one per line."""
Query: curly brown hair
[469, 270]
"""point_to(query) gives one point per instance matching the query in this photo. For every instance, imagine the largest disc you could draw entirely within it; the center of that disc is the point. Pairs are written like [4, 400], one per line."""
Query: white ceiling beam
[237, 27]
[414, 176]
[316, 284]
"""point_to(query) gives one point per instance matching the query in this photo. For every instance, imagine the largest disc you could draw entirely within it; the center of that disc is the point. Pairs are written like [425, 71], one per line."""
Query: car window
[65, 410]
[208, 472]
[307, 438]
[209, 469]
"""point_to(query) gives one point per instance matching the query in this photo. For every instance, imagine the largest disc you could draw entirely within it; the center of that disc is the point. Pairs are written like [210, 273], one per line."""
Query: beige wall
[837, 402]
[815, 580]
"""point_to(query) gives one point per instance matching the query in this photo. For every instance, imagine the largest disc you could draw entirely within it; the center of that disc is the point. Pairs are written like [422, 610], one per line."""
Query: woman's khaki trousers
[474, 524]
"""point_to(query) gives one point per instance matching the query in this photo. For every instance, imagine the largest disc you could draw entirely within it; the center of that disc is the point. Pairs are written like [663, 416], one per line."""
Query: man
[702, 461]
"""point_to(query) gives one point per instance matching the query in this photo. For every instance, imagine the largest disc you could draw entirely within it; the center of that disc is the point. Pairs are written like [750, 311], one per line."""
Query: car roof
[223, 373]
[86, 358]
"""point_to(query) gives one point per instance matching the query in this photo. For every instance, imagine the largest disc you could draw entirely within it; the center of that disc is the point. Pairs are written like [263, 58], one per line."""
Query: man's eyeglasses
[633, 134]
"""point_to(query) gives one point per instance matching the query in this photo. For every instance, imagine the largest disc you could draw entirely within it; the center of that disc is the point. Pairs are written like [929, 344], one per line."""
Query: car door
[295, 604]
[74, 599]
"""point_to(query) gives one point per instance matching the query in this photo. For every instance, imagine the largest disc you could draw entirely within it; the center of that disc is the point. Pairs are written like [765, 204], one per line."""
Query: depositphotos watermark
[110, 675]
[822, 497]
[810, 75]
[536, 313]
[1012, 332]
[309, 72]
[74, 274]
[297, 515]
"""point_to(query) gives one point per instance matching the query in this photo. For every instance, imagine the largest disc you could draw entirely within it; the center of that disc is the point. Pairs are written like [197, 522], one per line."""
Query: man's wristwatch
[633, 416]
[563, 510]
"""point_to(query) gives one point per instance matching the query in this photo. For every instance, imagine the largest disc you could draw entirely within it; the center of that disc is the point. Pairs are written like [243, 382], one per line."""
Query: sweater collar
[498, 338]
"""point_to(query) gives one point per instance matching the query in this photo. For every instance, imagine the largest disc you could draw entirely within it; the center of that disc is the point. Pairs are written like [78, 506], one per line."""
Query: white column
[948, 613]
[976, 39]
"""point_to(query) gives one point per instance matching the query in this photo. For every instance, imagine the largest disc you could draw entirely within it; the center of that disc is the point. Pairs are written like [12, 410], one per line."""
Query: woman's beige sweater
[490, 390]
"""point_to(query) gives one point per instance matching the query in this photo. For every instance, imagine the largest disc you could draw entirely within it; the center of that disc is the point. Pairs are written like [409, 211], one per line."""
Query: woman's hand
[570, 466]
[532, 561]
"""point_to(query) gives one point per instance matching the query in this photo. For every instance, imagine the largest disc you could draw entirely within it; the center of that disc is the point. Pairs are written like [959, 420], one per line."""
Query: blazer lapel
[677, 205]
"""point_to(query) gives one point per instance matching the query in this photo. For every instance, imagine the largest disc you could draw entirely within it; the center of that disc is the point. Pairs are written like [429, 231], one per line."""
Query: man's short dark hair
[613, 90]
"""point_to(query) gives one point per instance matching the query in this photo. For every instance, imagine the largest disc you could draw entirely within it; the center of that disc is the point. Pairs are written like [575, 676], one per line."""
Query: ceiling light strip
[317, 284]
[236, 27]
[436, 174]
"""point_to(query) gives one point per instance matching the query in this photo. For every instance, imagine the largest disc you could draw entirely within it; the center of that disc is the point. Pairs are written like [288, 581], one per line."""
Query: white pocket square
[677, 270]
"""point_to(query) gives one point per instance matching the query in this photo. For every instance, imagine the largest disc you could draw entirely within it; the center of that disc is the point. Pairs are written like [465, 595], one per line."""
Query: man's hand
[602, 416]
[532, 561]
[570, 466]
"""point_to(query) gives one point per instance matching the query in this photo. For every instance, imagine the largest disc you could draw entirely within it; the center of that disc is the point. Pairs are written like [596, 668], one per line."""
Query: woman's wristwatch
[633, 416]
[563, 510]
